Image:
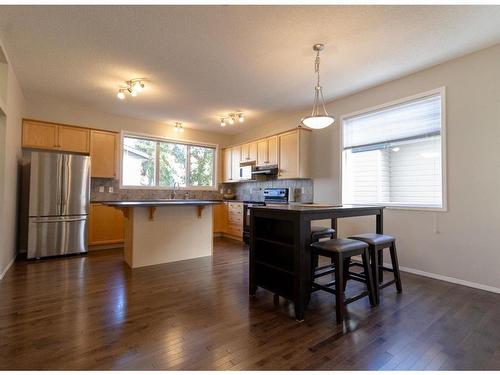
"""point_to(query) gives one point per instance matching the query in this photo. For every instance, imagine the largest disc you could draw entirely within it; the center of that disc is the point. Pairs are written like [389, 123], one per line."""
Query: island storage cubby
[273, 256]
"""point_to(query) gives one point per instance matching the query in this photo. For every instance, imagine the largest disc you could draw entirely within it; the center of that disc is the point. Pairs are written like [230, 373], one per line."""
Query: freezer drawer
[49, 236]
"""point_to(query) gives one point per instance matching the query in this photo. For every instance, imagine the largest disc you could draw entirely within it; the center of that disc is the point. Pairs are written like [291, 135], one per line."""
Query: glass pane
[139, 162]
[201, 160]
[173, 159]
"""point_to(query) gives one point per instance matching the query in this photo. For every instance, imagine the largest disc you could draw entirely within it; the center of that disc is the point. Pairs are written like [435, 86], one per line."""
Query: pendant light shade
[319, 117]
[318, 122]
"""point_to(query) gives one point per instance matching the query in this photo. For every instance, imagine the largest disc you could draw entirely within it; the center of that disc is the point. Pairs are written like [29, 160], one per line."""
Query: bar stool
[317, 233]
[340, 251]
[376, 244]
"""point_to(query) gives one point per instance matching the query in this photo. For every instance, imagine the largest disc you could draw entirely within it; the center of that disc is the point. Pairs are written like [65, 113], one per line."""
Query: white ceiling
[204, 61]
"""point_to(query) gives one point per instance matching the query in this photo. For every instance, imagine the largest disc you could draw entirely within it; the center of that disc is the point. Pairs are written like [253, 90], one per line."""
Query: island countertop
[161, 202]
[315, 207]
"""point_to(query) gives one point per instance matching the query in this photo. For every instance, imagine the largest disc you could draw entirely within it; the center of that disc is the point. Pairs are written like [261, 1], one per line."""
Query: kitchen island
[163, 231]
[280, 253]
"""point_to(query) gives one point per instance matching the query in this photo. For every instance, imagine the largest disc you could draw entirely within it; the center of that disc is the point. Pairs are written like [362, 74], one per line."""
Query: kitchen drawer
[235, 206]
[235, 218]
[235, 230]
[235, 223]
[235, 215]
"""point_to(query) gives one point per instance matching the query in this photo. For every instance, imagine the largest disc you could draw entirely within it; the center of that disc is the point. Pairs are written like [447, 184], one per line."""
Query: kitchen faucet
[172, 194]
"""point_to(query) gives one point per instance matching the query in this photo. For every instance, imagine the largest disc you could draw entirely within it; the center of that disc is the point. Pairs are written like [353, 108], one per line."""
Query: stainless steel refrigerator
[55, 194]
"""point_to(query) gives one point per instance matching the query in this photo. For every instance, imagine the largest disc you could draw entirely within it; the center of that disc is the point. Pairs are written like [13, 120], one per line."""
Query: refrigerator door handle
[58, 220]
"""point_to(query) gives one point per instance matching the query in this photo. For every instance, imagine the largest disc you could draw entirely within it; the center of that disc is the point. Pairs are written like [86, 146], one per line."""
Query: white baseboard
[449, 279]
[7, 268]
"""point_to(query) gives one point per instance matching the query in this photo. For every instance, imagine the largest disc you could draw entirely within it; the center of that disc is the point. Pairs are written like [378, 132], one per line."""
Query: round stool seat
[338, 245]
[374, 239]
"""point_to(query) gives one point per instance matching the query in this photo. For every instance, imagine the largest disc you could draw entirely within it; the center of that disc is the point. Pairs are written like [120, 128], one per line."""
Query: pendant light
[318, 120]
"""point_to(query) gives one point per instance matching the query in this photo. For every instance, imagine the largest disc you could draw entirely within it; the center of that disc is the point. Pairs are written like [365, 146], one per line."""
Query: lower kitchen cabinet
[220, 218]
[228, 219]
[106, 225]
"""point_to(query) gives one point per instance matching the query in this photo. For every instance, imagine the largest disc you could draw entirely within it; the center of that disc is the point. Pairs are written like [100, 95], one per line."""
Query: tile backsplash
[253, 190]
[248, 190]
[131, 194]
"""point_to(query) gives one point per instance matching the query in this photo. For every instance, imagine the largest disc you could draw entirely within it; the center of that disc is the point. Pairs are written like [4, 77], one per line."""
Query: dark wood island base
[280, 254]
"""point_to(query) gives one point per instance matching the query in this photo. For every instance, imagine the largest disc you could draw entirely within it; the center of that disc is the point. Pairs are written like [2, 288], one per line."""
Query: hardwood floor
[94, 313]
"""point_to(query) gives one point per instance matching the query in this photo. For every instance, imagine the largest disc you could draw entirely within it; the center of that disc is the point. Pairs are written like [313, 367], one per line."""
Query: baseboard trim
[7, 268]
[453, 280]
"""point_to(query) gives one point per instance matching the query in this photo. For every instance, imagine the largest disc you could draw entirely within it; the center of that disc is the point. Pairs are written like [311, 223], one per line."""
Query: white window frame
[442, 92]
[172, 140]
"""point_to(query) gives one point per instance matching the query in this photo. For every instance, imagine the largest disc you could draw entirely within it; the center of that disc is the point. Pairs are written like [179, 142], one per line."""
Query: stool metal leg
[339, 291]
[395, 267]
[369, 277]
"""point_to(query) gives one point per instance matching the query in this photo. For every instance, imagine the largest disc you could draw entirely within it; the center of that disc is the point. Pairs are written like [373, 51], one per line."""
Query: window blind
[414, 119]
[393, 156]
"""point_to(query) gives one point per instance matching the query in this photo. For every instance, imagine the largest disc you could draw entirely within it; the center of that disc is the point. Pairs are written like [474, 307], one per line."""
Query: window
[149, 162]
[393, 155]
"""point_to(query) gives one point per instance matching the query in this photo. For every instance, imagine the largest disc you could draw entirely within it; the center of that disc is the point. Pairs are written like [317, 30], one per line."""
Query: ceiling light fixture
[178, 127]
[121, 94]
[231, 118]
[133, 87]
[318, 120]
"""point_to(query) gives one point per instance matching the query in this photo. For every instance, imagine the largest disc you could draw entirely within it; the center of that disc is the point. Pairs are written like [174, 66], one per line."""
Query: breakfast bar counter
[163, 231]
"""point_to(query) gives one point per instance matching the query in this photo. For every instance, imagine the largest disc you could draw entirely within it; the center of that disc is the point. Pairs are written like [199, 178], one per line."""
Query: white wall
[13, 108]
[467, 245]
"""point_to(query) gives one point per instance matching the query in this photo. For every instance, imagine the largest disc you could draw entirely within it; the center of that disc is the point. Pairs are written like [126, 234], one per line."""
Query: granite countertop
[161, 202]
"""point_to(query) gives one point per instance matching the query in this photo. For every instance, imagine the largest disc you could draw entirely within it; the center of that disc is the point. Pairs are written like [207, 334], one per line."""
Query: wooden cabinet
[103, 153]
[234, 219]
[289, 151]
[228, 219]
[106, 225]
[262, 150]
[49, 136]
[39, 135]
[73, 139]
[220, 218]
[294, 154]
[267, 151]
[227, 165]
[248, 152]
[235, 163]
[272, 150]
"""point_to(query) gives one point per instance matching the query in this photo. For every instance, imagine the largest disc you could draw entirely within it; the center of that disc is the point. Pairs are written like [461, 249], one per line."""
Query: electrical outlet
[101, 189]
[111, 190]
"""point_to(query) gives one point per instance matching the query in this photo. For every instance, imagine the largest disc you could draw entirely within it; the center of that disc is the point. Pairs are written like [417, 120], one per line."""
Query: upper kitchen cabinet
[103, 153]
[49, 136]
[235, 161]
[294, 154]
[73, 139]
[267, 151]
[249, 152]
[227, 165]
[39, 135]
